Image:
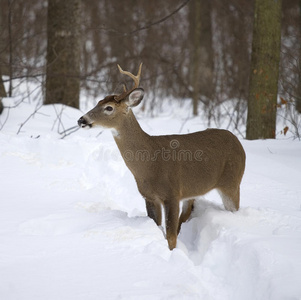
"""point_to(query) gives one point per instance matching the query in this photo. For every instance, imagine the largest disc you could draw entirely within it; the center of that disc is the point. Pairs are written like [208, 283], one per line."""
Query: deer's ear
[135, 97]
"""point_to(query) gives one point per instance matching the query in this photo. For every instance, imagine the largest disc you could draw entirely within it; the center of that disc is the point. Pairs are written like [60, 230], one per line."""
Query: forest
[199, 50]
[73, 221]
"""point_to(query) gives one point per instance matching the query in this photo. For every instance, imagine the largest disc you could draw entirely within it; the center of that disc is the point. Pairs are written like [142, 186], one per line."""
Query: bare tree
[298, 97]
[2, 91]
[262, 105]
[161, 35]
[2, 88]
[63, 52]
[201, 63]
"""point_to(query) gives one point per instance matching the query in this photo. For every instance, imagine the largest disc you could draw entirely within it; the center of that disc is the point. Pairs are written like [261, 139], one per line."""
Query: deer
[169, 169]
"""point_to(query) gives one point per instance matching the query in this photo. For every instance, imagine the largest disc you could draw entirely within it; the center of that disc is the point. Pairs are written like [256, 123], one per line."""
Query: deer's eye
[109, 108]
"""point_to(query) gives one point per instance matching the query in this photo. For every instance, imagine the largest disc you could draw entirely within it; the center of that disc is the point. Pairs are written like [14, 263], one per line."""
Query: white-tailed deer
[171, 168]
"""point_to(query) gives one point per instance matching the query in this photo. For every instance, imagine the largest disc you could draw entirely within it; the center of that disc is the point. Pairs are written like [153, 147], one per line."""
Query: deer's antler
[136, 83]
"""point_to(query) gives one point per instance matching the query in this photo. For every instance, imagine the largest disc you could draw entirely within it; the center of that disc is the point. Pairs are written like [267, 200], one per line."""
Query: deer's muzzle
[82, 122]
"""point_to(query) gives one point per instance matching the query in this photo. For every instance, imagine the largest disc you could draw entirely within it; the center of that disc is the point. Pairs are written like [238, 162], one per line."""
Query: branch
[30, 116]
[69, 131]
[2, 124]
[147, 26]
[59, 118]
[159, 21]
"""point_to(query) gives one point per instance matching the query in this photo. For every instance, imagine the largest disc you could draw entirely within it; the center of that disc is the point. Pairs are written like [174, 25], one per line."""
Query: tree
[201, 63]
[298, 98]
[2, 92]
[63, 52]
[2, 88]
[262, 99]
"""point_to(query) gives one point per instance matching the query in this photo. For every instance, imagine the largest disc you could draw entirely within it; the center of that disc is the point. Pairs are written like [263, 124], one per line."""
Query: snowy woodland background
[72, 222]
[163, 36]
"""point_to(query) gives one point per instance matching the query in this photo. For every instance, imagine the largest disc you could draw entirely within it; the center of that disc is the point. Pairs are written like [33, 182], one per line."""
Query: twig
[59, 118]
[147, 26]
[69, 131]
[30, 116]
[99, 134]
[159, 21]
[183, 123]
[8, 110]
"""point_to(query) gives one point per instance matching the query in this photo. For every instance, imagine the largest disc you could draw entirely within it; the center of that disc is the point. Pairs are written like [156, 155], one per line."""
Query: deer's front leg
[154, 211]
[172, 220]
[186, 212]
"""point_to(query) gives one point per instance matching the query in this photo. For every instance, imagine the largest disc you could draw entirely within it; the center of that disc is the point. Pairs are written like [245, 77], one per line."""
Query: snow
[74, 226]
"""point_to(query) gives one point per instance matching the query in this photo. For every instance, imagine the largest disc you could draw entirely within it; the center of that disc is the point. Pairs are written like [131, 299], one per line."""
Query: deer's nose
[82, 122]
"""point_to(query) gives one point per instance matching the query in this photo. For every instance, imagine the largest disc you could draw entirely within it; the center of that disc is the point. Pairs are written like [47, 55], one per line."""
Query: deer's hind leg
[230, 197]
[171, 209]
[187, 208]
[153, 209]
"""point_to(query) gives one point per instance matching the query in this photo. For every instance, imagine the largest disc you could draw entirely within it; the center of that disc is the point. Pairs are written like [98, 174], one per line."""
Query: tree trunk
[63, 52]
[262, 100]
[298, 98]
[201, 52]
[2, 88]
[2, 91]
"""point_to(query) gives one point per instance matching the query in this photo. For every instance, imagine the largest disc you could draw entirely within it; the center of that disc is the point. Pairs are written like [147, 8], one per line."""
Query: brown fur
[172, 168]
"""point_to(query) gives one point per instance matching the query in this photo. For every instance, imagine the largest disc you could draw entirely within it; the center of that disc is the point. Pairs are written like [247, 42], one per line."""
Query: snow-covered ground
[73, 225]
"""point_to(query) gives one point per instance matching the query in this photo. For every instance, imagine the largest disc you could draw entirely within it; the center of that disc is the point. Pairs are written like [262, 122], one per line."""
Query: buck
[171, 168]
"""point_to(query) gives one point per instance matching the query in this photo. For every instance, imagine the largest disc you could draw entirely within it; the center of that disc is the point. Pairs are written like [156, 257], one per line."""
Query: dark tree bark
[63, 52]
[201, 51]
[2, 92]
[298, 98]
[2, 88]
[262, 100]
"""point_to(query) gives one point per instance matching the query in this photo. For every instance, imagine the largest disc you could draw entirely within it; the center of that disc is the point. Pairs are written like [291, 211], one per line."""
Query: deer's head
[109, 111]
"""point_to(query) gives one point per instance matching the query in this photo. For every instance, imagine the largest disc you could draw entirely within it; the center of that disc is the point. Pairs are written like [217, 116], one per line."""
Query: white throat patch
[115, 132]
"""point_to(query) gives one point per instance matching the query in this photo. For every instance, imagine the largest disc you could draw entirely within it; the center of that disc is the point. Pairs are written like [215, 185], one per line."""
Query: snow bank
[73, 225]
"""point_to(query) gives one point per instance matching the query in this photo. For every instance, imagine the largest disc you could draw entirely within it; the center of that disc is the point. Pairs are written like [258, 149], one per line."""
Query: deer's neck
[129, 136]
